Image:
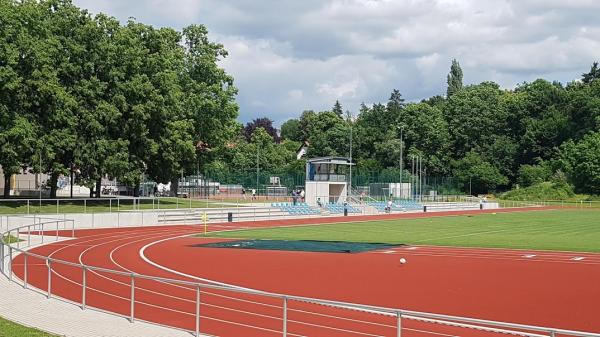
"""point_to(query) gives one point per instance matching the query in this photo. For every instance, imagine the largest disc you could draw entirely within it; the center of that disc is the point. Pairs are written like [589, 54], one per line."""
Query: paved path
[31, 308]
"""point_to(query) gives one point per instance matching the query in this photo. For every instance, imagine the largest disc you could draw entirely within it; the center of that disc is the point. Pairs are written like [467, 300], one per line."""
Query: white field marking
[388, 251]
[411, 248]
[578, 258]
[492, 257]
[207, 304]
[529, 256]
[507, 251]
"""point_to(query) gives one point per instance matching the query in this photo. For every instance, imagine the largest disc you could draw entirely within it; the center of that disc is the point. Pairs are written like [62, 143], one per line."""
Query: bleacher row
[300, 208]
[304, 209]
[397, 205]
[335, 208]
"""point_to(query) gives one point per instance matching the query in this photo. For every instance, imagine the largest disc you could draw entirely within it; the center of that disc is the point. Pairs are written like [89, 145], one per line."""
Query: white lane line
[578, 258]
[529, 256]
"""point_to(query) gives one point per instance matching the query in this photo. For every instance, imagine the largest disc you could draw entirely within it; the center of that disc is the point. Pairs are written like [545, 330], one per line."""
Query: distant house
[302, 151]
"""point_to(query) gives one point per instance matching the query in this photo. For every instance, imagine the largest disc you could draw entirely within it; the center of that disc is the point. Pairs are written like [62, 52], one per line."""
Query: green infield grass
[565, 229]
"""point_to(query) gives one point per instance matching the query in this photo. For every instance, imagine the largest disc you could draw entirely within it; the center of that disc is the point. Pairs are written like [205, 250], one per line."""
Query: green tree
[290, 130]
[337, 109]
[592, 75]
[477, 175]
[454, 79]
[581, 162]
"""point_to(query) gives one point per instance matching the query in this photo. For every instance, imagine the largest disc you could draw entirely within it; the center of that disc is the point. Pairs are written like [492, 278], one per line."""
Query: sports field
[566, 230]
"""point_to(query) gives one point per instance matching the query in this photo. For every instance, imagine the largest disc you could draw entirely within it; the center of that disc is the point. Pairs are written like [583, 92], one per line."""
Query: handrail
[458, 321]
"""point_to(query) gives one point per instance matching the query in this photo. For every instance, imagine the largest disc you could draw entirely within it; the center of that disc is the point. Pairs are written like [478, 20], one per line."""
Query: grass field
[10, 329]
[568, 230]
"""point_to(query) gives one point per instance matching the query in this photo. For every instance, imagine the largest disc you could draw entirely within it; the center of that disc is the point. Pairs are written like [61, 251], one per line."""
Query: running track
[556, 289]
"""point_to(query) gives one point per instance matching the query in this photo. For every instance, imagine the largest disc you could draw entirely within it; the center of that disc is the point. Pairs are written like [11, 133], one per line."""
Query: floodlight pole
[401, 154]
[40, 183]
[349, 191]
[257, 166]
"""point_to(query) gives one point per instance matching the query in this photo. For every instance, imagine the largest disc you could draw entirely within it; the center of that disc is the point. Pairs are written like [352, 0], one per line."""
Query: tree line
[91, 97]
[88, 96]
[486, 137]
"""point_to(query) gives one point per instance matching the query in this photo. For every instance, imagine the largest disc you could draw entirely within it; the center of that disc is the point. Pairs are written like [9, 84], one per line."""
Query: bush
[533, 174]
[557, 190]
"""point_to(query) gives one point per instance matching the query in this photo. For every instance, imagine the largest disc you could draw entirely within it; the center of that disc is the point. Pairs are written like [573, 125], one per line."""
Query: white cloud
[287, 56]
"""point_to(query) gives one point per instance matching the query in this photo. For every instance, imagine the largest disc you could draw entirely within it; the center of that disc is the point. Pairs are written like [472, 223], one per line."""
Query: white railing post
[398, 324]
[24, 270]
[28, 206]
[10, 265]
[84, 205]
[57, 206]
[197, 310]
[72, 228]
[83, 287]
[57, 224]
[132, 309]
[285, 316]
[109, 205]
[49, 278]
[42, 230]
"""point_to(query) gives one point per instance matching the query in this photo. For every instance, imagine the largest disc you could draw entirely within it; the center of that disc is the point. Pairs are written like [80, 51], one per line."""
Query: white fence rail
[284, 312]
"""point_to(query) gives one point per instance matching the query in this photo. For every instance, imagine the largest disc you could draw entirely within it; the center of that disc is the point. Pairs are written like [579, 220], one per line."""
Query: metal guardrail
[42, 226]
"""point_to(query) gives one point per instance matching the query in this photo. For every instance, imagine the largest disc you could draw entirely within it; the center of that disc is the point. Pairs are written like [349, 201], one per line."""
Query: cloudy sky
[291, 55]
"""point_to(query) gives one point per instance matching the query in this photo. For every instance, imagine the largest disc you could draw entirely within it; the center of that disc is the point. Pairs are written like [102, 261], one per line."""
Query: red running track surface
[547, 289]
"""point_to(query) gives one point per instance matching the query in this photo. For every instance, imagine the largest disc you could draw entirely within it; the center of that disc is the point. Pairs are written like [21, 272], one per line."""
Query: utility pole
[349, 191]
[40, 181]
[401, 162]
[257, 165]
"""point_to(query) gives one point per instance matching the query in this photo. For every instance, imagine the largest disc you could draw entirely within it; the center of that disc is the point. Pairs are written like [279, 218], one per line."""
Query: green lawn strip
[11, 329]
[567, 230]
[10, 239]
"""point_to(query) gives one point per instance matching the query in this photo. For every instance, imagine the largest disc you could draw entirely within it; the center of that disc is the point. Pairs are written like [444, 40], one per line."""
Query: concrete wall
[89, 220]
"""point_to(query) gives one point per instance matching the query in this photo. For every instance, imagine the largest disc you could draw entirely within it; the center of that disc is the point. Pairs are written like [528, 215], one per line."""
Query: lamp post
[401, 161]
[349, 192]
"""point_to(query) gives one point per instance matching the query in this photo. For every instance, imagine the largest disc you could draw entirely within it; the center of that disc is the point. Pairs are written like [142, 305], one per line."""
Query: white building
[327, 180]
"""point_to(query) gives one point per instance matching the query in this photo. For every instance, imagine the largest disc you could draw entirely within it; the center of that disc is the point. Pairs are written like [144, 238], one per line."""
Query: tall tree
[337, 109]
[454, 79]
[290, 130]
[263, 122]
[592, 75]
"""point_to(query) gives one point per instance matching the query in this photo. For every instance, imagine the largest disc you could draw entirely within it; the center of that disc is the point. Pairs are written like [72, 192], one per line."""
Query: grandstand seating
[335, 208]
[397, 205]
[301, 208]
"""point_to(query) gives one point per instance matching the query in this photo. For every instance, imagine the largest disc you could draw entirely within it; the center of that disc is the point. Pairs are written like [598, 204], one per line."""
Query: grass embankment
[11, 329]
[568, 230]
[10, 239]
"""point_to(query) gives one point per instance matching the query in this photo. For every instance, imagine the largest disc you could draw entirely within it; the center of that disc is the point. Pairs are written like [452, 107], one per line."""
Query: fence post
[197, 310]
[83, 286]
[49, 278]
[10, 265]
[24, 270]
[132, 309]
[28, 206]
[284, 316]
[72, 228]
[18, 235]
[84, 205]
[57, 206]
[398, 324]
[109, 205]
[57, 223]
